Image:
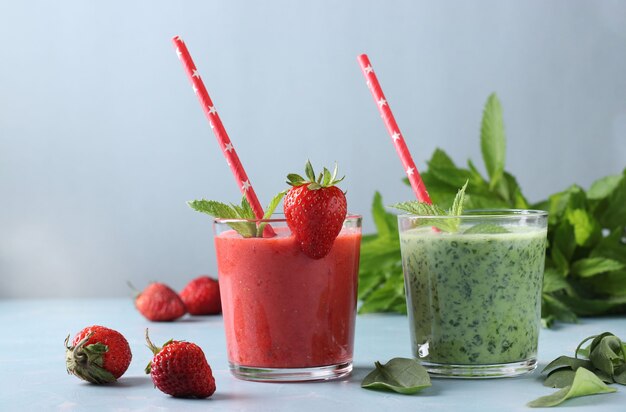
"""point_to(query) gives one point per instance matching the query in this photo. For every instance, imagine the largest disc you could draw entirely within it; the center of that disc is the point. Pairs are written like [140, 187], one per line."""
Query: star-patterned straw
[394, 131]
[218, 129]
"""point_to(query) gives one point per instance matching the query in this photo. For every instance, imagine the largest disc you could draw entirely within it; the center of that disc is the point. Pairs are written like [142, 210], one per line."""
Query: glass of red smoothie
[287, 317]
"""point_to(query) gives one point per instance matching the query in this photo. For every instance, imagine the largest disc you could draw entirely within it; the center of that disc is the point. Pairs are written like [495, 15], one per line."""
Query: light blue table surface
[33, 376]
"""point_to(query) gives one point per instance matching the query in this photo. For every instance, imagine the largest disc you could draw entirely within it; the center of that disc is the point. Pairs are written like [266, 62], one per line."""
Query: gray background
[102, 140]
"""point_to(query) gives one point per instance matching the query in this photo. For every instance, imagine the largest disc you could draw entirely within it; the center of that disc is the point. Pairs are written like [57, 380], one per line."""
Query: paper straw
[218, 128]
[417, 184]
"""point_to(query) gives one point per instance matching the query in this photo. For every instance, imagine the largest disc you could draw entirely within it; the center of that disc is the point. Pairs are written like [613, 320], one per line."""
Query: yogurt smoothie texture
[283, 309]
[474, 299]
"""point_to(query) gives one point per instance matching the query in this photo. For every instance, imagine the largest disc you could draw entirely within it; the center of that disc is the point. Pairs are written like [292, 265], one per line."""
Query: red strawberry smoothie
[283, 309]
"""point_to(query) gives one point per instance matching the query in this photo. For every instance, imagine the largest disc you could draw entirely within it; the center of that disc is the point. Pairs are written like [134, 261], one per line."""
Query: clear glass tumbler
[473, 290]
[287, 317]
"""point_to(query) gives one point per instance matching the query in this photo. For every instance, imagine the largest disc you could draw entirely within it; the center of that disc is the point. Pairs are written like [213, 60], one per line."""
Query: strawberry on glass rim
[315, 210]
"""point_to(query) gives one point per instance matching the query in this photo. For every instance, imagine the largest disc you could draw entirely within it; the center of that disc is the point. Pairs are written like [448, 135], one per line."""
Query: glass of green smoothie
[473, 290]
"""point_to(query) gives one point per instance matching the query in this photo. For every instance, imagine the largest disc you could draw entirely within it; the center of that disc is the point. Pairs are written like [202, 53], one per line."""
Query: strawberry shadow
[133, 382]
[191, 319]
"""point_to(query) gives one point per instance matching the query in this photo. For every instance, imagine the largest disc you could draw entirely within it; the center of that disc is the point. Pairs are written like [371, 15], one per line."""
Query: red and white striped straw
[394, 131]
[218, 128]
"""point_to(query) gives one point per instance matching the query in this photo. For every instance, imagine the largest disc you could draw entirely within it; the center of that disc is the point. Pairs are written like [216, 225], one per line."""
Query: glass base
[317, 373]
[498, 370]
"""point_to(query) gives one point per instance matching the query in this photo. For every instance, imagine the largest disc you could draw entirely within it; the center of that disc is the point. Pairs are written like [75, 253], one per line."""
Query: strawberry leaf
[308, 170]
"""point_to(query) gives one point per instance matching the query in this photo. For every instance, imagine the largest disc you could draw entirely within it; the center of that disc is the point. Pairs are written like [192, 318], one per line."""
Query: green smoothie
[474, 298]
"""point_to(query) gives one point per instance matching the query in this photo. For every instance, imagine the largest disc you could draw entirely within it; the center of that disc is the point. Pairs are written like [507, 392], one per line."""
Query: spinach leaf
[402, 375]
[566, 362]
[560, 378]
[584, 383]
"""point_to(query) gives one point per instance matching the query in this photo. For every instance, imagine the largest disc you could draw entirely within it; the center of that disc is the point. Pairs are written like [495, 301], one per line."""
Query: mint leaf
[244, 210]
[486, 228]
[426, 209]
[553, 281]
[610, 283]
[386, 223]
[459, 201]
[269, 211]
[224, 211]
[420, 208]
[552, 307]
[603, 187]
[213, 208]
[586, 229]
[381, 281]
[613, 213]
[401, 375]
[585, 383]
[595, 265]
[237, 211]
[492, 140]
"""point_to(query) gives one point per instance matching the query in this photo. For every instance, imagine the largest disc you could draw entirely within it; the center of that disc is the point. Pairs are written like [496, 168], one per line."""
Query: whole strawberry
[202, 296]
[97, 354]
[180, 369]
[158, 302]
[315, 210]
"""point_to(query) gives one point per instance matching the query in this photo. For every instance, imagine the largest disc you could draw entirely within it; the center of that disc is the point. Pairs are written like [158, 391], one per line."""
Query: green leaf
[551, 306]
[308, 170]
[611, 283]
[603, 187]
[612, 245]
[593, 307]
[553, 281]
[386, 223]
[614, 214]
[620, 375]
[516, 198]
[563, 239]
[440, 159]
[607, 354]
[561, 263]
[586, 229]
[566, 362]
[401, 375]
[327, 177]
[585, 383]
[213, 208]
[492, 140]
[294, 179]
[593, 266]
[420, 208]
[269, 211]
[459, 200]
[386, 298]
[560, 378]
[486, 228]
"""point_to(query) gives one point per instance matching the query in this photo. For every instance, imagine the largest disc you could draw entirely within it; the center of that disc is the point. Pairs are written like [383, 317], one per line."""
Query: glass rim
[496, 213]
[349, 217]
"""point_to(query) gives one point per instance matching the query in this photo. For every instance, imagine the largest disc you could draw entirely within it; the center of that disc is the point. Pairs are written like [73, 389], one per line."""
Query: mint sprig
[426, 209]
[238, 211]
